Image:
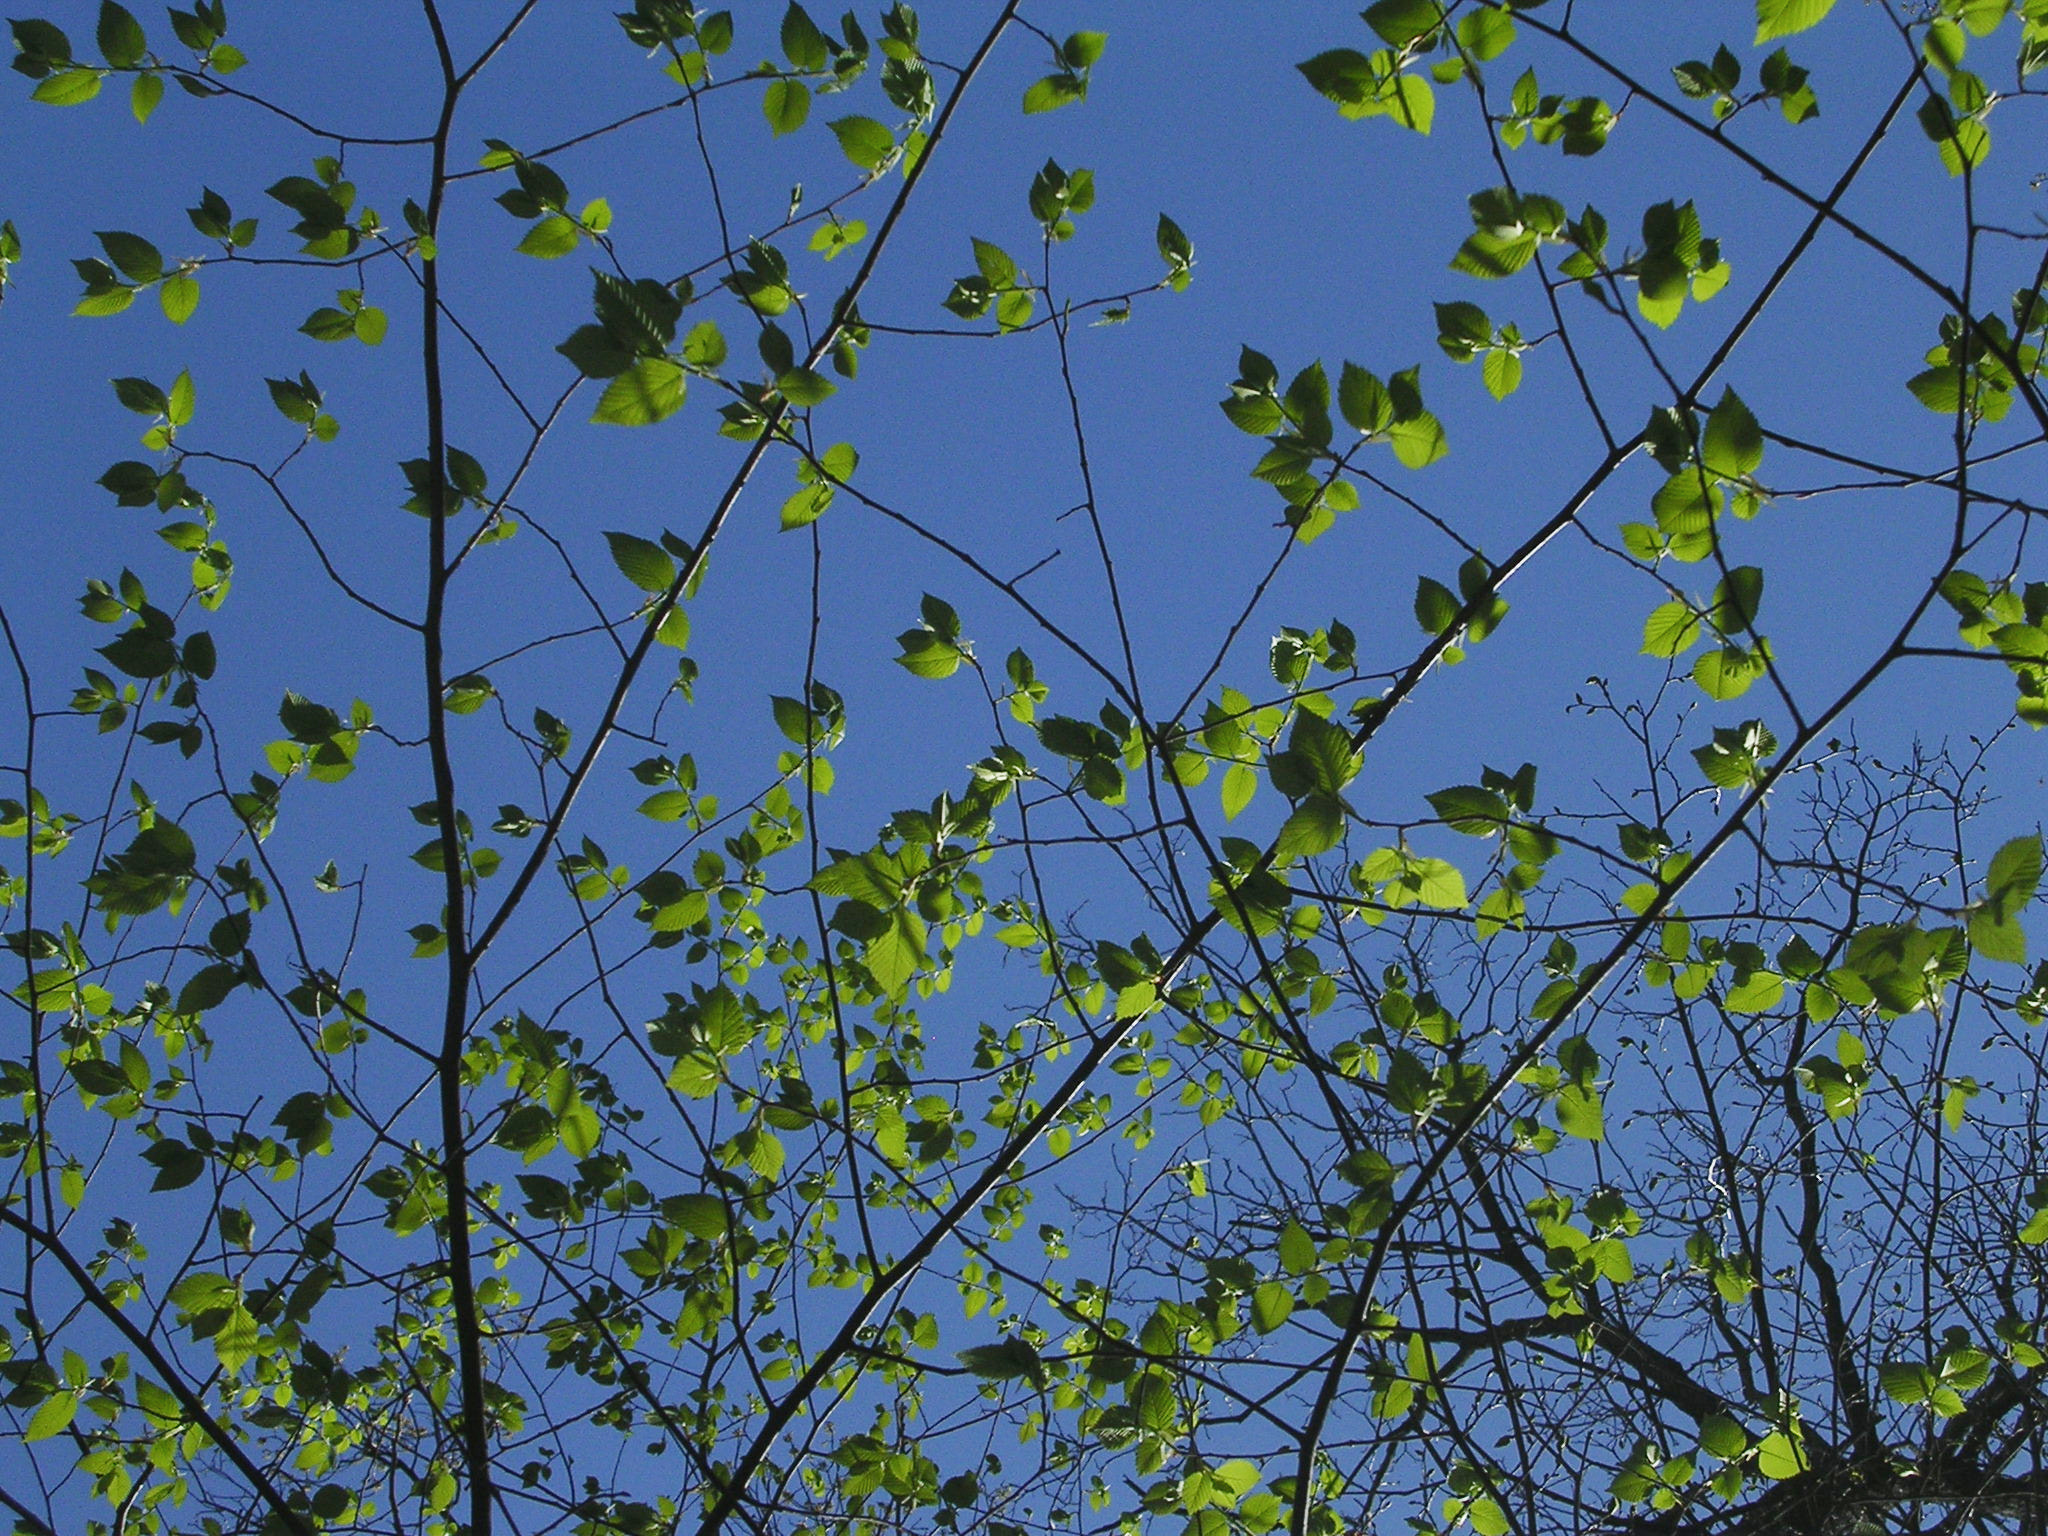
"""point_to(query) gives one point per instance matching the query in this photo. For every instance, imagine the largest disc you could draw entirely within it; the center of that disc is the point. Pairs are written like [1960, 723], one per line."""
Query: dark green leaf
[596, 353]
[208, 988]
[1402, 22]
[1470, 809]
[1436, 606]
[121, 37]
[1011, 1360]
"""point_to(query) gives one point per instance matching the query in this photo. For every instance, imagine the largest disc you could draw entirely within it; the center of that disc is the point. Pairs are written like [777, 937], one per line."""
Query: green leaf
[1907, 1382]
[1788, 17]
[786, 105]
[996, 266]
[1254, 414]
[1272, 1305]
[1175, 249]
[1470, 809]
[702, 1216]
[52, 1416]
[1685, 507]
[1488, 255]
[864, 141]
[140, 261]
[1780, 1455]
[1014, 307]
[178, 1165]
[2014, 876]
[38, 40]
[806, 506]
[1436, 606]
[1998, 938]
[598, 354]
[1964, 142]
[1296, 1249]
[1320, 749]
[329, 324]
[1955, 1105]
[68, 88]
[802, 43]
[2010, 887]
[1054, 92]
[893, 956]
[651, 390]
[109, 301]
[1011, 1360]
[1759, 992]
[145, 95]
[1733, 444]
[1722, 1437]
[208, 988]
[925, 654]
[804, 386]
[1402, 22]
[1462, 329]
[1730, 671]
[1939, 389]
[1579, 1113]
[1734, 758]
[554, 236]
[840, 461]
[120, 36]
[1486, 33]
[642, 562]
[1240, 783]
[179, 403]
[579, 1129]
[1501, 372]
[153, 870]
[704, 347]
[179, 297]
[1412, 103]
[1436, 883]
[640, 315]
[1782, 18]
[1671, 629]
[1738, 598]
[1419, 441]
[1082, 49]
[1316, 826]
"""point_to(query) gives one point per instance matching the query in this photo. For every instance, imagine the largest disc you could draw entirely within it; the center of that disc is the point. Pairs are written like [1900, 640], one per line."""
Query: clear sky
[1314, 237]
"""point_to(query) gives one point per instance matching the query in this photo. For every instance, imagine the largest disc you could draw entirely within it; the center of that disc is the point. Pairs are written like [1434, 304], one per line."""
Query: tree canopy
[708, 855]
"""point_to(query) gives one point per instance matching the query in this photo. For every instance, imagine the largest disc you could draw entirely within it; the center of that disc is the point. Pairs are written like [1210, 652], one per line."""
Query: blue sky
[1314, 237]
